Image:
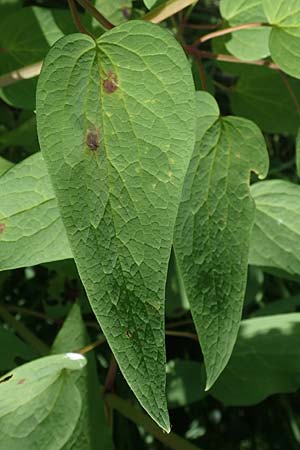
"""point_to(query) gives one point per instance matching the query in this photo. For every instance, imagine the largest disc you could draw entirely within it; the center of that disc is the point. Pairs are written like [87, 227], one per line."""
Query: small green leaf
[275, 239]
[285, 35]
[92, 428]
[265, 361]
[250, 44]
[31, 230]
[261, 95]
[40, 404]
[237, 12]
[214, 225]
[116, 127]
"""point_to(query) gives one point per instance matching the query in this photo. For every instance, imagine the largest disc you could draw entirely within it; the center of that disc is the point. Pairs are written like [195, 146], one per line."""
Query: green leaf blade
[216, 205]
[119, 185]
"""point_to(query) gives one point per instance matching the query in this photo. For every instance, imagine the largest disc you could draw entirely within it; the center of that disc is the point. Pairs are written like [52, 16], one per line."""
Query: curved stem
[214, 34]
[76, 19]
[227, 58]
[87, 5]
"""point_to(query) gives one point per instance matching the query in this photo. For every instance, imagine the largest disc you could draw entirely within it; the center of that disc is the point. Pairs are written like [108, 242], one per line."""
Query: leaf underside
[116, 128]
[213, 227]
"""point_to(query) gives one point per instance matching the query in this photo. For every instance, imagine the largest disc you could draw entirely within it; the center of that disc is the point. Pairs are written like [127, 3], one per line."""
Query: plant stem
[111, 375]
[171, 440]
[36, 343]
[227, 58]
[92, 346]
[218, 33]
[183, 334]
[76, 18]
[89, 7]
[24, 73]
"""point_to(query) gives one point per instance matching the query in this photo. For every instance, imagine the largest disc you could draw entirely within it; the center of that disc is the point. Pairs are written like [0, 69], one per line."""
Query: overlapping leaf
[214, 225]
[248, 44]
[92, 430]
[116, 127]
[40, 404]
[275, 240]
[284, 16]
[265, 361]
[31, 230]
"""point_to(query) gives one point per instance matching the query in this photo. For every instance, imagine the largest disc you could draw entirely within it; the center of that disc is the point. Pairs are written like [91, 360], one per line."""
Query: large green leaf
[261, 95]
[40, 403]
[116, 127]
[214, 225]
[265, 361]
[31, 230]
[250, 44]
[284, 16]
[275, 240]
[92, 428]
[37, 29]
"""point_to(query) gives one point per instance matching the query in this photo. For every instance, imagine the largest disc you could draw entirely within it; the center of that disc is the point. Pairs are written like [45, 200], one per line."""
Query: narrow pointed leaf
[116, 127]
[214, 225]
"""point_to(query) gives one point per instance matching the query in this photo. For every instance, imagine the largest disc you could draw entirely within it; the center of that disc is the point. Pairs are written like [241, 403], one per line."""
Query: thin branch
[88, 6]
[90, 347]
[167, 10]
[111, 375]
[214, 34]
[171, 440]
[183, 334]
[202, 73]
[24, 73]
[36, 343]
[227, 58]
[76, 19]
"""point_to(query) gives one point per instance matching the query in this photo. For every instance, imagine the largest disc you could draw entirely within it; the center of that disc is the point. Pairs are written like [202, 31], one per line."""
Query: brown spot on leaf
[128, 334]
[2, 227]
[92, 140]
[110, 84]
[6, 378]
[126, 12]
[21, 381]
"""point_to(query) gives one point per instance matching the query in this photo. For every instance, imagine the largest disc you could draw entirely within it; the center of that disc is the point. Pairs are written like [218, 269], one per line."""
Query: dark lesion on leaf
[21, 381]
[128, 334]
[2, 227]
[93, 139]
[110, 83]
